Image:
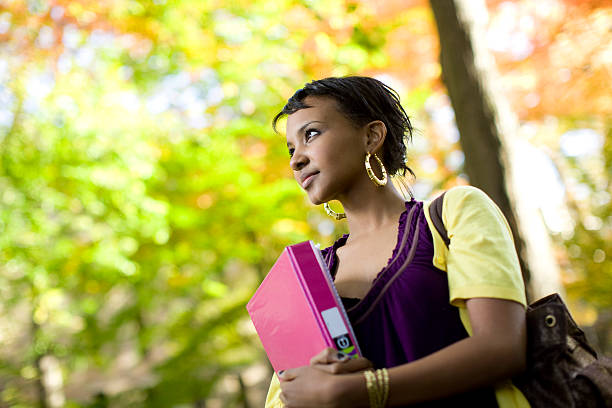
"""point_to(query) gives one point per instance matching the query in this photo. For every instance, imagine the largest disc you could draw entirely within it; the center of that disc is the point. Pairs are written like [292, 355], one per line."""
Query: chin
[315, 199]
[317, 202]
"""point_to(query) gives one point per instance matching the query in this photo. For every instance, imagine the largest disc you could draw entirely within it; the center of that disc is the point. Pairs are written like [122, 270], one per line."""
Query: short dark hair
[363, 100]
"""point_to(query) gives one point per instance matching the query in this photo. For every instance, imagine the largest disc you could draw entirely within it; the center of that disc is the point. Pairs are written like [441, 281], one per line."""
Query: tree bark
[40, 386]
[487, 126]
[243, 392]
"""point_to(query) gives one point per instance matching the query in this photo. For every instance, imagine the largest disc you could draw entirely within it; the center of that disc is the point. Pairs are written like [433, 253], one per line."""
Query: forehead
[321, 109]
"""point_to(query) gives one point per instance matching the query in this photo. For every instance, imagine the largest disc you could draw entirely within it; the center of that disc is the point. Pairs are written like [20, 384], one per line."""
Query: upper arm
[496, 317]
[501, 325]
[481, 261]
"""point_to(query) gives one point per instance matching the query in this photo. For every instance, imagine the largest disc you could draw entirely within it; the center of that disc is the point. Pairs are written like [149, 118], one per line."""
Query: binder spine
[323, 298]
[353, 351]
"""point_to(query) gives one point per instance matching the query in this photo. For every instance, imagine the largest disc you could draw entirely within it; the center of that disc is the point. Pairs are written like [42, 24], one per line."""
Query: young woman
[441, 326]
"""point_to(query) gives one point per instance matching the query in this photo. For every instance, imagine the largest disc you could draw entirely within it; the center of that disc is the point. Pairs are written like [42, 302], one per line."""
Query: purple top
[406, 314]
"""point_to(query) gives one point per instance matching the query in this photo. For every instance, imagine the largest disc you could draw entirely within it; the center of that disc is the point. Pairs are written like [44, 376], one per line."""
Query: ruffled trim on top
[397, 257]
[331, 258]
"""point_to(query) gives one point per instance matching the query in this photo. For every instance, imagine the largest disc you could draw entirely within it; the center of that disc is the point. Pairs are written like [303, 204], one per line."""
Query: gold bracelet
[377, 384]
[372, 388]
[379, 387]
[385, 393]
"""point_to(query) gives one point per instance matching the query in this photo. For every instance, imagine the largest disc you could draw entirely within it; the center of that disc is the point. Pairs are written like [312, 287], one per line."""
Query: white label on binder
[334, 323]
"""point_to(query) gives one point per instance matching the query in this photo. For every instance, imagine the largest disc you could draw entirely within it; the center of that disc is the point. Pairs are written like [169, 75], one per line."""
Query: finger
[287, 390]
[326, 356]
[286, 401]
[358, 364]
[289, 374]
[350, 366]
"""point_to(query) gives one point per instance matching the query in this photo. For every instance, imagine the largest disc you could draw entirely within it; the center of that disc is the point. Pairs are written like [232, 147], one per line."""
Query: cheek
[341, 169]
[338, 154]
[347, 161]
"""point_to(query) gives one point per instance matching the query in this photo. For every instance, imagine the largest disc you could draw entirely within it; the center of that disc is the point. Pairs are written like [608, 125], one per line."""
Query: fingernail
[341, 356]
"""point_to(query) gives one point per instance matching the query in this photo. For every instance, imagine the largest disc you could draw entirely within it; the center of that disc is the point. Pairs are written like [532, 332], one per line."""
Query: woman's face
[327, 150]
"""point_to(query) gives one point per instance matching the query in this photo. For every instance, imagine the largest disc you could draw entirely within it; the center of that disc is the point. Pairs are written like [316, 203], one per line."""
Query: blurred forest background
[144, 195]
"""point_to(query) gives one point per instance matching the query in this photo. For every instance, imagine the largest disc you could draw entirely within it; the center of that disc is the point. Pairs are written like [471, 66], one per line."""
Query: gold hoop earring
[332, 213]
[376, 180]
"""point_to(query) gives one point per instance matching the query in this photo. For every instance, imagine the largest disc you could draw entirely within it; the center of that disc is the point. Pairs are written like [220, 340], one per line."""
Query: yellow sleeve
[480, 262]
[273, 397]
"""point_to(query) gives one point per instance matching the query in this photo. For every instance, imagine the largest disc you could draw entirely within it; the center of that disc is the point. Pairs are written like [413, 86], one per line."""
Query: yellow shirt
[481, 262]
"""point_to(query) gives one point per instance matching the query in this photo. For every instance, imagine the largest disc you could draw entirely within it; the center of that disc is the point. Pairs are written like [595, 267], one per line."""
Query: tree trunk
[487, 127]
[243, 392]
[40, 386]
[49, 380]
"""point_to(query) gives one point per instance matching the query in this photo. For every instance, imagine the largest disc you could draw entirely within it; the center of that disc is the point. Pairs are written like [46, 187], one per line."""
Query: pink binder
[297, 312]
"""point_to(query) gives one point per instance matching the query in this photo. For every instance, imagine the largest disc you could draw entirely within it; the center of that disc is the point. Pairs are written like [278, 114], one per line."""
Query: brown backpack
[563, 370]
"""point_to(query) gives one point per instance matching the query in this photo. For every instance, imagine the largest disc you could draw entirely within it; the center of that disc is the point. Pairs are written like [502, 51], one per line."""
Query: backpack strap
[435, 213]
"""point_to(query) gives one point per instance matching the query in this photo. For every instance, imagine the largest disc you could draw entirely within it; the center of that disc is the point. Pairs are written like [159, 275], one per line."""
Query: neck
[371, 208]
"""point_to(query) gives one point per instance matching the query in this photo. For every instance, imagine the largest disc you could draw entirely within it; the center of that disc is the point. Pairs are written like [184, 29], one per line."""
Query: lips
[307, 178]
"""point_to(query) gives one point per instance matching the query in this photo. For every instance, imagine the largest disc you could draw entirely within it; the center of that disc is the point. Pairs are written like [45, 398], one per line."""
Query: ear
[376, 132]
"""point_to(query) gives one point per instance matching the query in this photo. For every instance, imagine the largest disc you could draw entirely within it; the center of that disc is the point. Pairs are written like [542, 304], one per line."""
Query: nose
[298, 160]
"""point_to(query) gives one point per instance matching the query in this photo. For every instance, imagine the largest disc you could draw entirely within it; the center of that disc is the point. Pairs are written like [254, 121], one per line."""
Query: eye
[310, 133]
[291, 150]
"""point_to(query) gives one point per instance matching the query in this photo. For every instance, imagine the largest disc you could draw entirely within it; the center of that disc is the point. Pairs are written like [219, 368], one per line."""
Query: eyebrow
[305, 125]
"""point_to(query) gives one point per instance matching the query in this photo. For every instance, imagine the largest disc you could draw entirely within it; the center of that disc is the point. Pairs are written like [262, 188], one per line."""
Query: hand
[325, 382]
[308, 387]
[335, 362]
